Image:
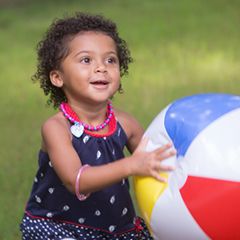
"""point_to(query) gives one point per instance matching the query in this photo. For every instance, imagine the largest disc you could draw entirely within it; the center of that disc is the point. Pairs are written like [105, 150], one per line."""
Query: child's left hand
[150, 163]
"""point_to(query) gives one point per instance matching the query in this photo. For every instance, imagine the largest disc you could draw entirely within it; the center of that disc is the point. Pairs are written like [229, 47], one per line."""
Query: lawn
[179, 48]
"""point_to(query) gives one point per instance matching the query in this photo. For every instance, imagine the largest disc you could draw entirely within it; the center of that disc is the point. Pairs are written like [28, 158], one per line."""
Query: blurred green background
[179, 48]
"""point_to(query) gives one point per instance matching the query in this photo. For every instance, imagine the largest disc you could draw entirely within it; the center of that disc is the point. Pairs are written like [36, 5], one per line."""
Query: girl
[81, 189]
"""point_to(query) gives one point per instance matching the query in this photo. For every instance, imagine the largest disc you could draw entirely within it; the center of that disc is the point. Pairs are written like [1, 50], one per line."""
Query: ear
[56, 78]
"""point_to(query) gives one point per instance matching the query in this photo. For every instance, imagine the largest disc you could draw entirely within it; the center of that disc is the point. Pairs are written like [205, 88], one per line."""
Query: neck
[91, 114]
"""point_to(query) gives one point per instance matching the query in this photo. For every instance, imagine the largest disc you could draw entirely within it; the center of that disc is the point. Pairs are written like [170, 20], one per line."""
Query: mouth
[99, 83]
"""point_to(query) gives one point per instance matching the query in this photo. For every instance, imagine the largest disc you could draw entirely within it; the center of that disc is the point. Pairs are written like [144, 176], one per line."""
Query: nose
[100, 67]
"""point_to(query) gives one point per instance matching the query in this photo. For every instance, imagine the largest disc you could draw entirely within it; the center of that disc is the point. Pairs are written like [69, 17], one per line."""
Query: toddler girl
[81, 189]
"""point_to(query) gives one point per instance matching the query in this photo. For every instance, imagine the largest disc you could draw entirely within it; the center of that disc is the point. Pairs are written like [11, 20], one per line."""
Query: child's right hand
[145, 163]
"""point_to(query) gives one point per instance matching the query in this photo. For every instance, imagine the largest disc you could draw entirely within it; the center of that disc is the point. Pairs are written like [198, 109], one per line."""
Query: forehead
[92, 41]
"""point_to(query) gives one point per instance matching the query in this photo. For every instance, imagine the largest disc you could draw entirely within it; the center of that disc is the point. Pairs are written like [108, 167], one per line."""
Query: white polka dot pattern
[45, 229]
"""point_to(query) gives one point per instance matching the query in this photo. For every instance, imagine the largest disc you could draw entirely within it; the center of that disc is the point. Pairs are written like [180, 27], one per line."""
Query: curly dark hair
[53, 48]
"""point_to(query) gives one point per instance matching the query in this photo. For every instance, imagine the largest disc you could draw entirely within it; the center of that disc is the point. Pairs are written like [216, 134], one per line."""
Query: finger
[164, 155]
[163, 168]
[164, 147]
[157, 176]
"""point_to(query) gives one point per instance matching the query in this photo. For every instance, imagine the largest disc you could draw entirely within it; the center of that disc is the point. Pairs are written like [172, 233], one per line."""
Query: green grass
[179, 48]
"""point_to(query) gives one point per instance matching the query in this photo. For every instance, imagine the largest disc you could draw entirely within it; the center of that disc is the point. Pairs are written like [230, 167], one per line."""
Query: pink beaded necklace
[78, 127]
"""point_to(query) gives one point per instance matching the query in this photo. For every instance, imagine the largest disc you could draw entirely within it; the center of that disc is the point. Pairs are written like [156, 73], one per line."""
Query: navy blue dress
[53, 212]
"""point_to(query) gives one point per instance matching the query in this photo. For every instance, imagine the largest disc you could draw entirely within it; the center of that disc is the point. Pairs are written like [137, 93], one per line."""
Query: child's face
[91, 71]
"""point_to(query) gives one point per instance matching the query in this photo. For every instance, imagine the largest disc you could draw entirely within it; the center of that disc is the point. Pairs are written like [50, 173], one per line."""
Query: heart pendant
[77, 130]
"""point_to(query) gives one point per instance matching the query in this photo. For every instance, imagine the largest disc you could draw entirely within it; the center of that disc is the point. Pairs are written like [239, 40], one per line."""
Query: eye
[85, 60]
[112, 60]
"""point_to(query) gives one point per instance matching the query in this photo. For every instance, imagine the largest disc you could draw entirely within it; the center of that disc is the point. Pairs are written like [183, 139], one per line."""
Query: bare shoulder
[127, 121]
[57, 121]
[54, 129]
[132, 128]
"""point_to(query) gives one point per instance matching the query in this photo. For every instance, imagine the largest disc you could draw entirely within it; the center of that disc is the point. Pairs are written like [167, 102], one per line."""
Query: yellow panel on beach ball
[147, 191]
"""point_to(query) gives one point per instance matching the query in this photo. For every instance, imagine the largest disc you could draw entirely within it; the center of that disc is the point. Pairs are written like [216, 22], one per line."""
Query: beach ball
[201, 199]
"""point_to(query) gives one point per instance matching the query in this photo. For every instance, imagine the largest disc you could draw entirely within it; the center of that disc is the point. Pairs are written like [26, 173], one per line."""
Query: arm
[132, 128]
[57, 142]
[142, 162]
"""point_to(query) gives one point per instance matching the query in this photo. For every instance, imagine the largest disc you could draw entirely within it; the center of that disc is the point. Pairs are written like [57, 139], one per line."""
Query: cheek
[116, 84]
[116, 74]
[117, 80]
